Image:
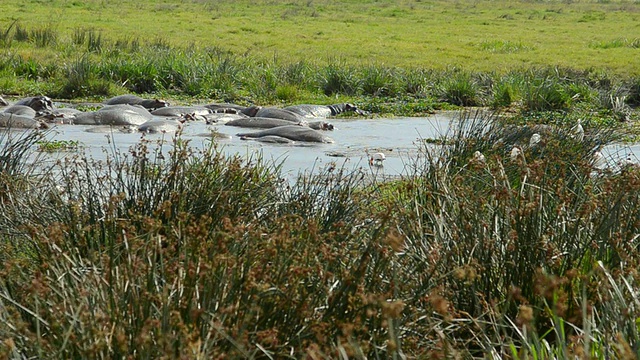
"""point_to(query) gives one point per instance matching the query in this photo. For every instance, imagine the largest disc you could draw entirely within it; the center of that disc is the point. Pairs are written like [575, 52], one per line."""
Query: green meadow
[476, 35]
[490, 246]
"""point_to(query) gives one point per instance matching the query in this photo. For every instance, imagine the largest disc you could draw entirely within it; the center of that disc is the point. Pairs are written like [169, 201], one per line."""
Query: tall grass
[167, 250]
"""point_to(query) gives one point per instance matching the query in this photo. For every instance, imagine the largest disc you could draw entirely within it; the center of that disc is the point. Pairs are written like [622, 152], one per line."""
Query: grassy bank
[401, 58]
[479, 36]
[199, 255]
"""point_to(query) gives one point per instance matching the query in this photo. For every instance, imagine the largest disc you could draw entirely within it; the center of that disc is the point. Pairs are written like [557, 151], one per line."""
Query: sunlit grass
[472, 35]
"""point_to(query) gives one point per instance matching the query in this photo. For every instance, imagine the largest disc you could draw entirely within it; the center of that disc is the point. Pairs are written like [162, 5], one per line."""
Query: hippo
[320, 125]
[270, 112]
[261, 122]
[182, 110]
[37, 103]
[22, 110]
[162, 125]
[271, 139]
[291, 132]
[3, 102]
[234, 109]
[217, 117]
[115, 115]
[314, 111]
[9, 120]
[109, 129]
[136, 100]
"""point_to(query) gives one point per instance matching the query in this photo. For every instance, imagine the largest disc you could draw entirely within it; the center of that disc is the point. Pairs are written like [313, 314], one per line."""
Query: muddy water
[397, 138]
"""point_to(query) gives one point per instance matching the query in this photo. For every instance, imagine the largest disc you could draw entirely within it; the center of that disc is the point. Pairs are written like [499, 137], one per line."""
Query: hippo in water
[22, 110]
[161, 125]
[261, 122]
[315, 111]
[37, 103]
[268, 123]
[115, 115]
[136, 100]
[234, 109]
[9, 120]
[182, 110]
[291, 132]
[271, 112]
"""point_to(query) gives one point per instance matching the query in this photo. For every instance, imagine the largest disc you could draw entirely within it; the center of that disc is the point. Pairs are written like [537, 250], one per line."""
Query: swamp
[502, 223]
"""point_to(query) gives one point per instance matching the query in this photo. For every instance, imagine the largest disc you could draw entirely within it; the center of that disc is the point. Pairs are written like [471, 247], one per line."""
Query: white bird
[535, 139]
[599, 162]
[376, 159]
[479, 157]
[516, 152]
[578, 131]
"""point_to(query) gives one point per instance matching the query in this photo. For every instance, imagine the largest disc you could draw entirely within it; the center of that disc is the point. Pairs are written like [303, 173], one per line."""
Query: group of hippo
[298, 123]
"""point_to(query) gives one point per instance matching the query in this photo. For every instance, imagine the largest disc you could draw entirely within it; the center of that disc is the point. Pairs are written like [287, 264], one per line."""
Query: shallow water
[397, 138]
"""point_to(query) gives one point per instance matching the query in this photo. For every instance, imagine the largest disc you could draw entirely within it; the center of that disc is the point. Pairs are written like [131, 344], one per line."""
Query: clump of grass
[504, 47]
[82, 79]
[286, 93]
[459, 88]
[378, 80]
[6, 37]
[58, 145]
[337, 78]
[544, 93]
[21, 34]
[44, 37]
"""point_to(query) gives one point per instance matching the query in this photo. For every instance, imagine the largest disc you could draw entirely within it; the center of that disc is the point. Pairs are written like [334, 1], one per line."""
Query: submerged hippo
[308, 110]
[271, 139]
[37, 103]
[291, 132]
[23, 110]
[321, 125]
[234, 109]
[115, 115]
[110, 129]
[271, 112]
[136, 100]
[261, 122]
[9, 120]
[182, 110]
[160, 125]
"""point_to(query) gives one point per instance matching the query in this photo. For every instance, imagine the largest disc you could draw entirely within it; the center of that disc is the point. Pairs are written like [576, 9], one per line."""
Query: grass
[165, 250]
[407, 34]
[58, 145]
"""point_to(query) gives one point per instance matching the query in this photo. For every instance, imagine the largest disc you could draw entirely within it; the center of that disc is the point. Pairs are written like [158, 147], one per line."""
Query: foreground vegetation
[186, 253]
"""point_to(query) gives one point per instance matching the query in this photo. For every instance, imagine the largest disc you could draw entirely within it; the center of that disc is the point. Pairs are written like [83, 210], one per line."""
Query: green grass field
[478, 35]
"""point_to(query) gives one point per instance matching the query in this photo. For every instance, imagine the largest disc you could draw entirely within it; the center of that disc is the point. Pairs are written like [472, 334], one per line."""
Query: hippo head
[251, 110]
[154, 103]
[351, 107]
[327, 126]
[41, 103]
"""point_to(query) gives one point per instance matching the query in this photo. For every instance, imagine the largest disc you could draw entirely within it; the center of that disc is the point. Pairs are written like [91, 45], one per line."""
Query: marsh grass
[171, 250]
